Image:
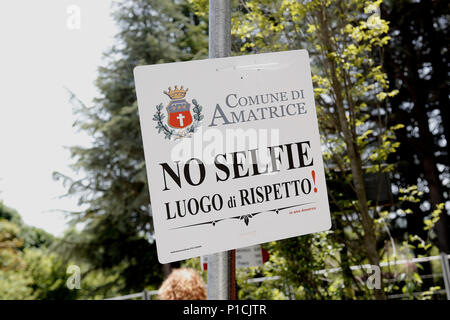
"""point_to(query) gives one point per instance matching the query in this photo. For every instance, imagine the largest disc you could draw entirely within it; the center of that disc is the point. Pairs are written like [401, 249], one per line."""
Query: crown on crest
[176, 93]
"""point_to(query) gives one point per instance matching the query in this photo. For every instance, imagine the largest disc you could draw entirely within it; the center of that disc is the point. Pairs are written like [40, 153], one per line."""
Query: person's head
[183, 284]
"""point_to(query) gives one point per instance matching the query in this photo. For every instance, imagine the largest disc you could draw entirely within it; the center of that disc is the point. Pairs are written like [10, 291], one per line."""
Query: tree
[31, 236]
[28, 270]
[343, 39]
[117, 220]
[358, 116]
[416, 61]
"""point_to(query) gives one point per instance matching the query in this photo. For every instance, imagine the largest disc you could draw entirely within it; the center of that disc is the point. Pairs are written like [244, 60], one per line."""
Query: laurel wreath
[171, 133]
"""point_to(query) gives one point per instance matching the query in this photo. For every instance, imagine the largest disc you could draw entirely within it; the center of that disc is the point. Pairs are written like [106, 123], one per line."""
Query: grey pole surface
[219, 28]
[219, 47]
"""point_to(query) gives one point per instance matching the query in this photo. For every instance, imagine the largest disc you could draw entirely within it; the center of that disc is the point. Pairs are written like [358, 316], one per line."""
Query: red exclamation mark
[314, 180]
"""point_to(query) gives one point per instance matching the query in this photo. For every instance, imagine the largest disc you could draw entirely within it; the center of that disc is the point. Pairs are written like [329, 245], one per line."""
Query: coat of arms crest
[180, 119]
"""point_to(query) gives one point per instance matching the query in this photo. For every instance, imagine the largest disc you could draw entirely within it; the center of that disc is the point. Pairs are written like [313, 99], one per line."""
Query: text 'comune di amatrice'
[259, 107]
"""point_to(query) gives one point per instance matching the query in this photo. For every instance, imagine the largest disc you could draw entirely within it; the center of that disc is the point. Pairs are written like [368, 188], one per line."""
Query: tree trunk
[439, 75]
[369, 239]
[347, 273]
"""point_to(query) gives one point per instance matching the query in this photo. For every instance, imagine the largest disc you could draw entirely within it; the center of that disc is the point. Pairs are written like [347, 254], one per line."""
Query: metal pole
[219, 46]
[232, 272]
[219, 28]
[445, 273]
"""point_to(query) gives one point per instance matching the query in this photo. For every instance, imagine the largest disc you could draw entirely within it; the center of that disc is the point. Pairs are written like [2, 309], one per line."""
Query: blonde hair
[183, 284]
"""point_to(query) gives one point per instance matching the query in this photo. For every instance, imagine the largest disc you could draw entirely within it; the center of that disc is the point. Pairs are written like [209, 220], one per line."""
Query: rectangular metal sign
[253, 256]
[249, 257]
[232, 152]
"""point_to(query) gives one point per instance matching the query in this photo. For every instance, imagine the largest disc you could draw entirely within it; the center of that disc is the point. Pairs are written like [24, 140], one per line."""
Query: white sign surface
[232, 151]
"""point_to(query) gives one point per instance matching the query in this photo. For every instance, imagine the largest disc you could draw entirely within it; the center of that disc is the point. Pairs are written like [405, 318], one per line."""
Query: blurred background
[73, 189]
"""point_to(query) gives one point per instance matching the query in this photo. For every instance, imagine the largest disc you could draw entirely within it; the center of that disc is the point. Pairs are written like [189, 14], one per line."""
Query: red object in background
[265, 255]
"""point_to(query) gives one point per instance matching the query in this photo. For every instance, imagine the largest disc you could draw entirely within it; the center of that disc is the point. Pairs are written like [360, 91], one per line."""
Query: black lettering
[303, 154]
[221, 167]
[172, 174]
[187, 172]
[237, 165]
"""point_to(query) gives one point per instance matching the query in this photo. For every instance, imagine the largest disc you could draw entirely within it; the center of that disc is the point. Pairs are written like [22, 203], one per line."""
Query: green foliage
[31, 236]
[345, 40]
[15, 286]
[10, 214]
[35, 237]
[266, 290]
[342, 38]
[48, 273]
[27, 269]
[10, 246]
[295, 259]
[435, 216]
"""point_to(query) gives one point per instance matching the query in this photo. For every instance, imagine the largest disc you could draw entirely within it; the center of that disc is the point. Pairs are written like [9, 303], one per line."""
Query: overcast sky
[45, 48]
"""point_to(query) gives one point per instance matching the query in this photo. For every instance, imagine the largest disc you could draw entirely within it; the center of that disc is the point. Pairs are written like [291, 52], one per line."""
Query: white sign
[249, 257]
[232, 151]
